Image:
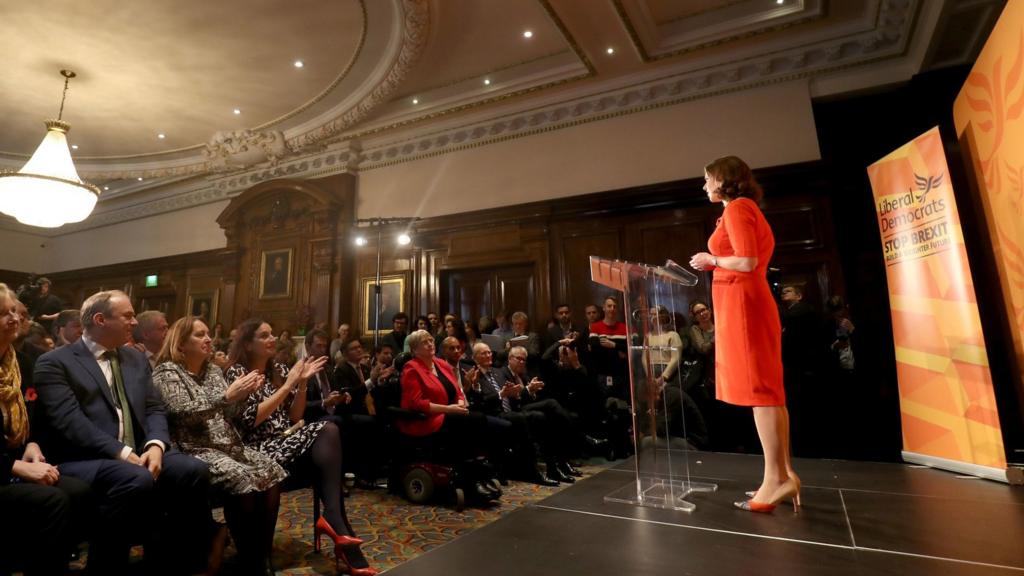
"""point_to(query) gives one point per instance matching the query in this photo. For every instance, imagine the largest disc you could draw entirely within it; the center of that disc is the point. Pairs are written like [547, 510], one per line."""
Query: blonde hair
[417, 338]
[177, 335]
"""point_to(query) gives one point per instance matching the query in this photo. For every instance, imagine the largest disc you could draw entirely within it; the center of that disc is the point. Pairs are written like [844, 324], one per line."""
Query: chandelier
[47, 191]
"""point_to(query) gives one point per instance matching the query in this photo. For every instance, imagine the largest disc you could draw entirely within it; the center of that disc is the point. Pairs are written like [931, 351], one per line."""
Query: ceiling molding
[232, 150]
[646, 90]
[709, 28]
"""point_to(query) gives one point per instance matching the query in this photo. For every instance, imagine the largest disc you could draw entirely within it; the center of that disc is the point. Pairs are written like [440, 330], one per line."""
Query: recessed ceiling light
[139, 178]
[610, 50]
[237, 111]
[298, 64]
[415, 100]
[487, 81]
[780, 1]
[106, 187]
[161, 136]
[74, 146]
[528, 34]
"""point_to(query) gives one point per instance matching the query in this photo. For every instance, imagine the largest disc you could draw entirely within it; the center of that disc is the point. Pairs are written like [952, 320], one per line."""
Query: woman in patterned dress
[748, 340]
[270, 416]
[200, 410]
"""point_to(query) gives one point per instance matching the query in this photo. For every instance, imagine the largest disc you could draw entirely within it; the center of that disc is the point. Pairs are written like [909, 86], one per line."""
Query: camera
[28, 292]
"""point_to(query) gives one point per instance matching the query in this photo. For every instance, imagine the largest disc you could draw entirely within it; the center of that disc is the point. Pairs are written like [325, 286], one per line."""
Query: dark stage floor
[857, 518]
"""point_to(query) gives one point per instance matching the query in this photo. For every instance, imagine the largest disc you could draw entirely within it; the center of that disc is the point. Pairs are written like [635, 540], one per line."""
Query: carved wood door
[472, 294]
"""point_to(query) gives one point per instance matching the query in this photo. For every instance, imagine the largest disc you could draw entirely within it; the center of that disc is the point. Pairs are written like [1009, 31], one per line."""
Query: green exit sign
[151, 281]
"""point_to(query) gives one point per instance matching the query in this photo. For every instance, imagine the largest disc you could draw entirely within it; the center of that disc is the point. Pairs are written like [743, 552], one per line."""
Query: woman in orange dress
[748, 341]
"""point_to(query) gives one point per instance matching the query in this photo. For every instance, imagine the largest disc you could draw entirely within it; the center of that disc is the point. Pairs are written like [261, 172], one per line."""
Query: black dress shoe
[567, 469]
[542, 479]
[485, 492]
[555, 474]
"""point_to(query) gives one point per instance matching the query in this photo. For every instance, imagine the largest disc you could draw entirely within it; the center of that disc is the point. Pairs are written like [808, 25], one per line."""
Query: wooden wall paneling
[573, 253]
[306, 217]
[470, 294]
[667, 236]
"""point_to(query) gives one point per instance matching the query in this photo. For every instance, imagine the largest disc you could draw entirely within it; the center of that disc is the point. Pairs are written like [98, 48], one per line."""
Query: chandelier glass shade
[47, 191]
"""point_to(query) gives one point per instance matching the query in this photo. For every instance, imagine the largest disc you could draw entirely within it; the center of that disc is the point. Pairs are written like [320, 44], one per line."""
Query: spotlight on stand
[403, 239]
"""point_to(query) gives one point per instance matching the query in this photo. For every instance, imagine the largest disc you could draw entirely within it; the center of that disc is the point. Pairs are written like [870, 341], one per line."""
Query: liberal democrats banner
[946, 399]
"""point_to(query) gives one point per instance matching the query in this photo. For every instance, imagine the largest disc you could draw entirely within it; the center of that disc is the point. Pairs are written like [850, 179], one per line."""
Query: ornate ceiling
[385, 81]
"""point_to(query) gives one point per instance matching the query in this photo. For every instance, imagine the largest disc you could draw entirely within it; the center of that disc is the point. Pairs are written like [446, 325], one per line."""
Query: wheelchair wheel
[460, 499]
[419, 486]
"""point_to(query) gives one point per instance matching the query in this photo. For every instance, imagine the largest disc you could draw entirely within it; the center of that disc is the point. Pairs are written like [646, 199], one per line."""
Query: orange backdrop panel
[946, 399]
[990, 124]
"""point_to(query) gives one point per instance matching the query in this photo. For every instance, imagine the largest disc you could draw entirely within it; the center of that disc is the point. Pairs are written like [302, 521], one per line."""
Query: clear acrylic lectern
[655, 300]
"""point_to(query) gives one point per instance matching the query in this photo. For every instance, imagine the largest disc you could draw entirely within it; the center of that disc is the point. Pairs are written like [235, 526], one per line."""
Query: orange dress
[748, 334]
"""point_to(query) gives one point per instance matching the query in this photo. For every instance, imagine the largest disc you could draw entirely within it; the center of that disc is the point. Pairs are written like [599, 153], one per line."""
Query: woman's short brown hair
[737, 179]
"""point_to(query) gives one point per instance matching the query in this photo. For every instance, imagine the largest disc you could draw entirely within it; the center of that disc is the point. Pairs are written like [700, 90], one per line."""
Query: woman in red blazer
[429, 386]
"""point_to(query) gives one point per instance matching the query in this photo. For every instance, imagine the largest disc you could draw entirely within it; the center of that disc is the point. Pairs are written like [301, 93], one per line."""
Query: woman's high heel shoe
[790, 489]
[323, 528]
[795, 500]
[343, 566]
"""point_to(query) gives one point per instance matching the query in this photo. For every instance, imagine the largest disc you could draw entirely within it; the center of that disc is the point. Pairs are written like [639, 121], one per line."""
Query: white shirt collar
[97, 350]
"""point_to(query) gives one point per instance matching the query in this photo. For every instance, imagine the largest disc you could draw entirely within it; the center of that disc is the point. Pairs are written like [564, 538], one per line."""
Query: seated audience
[362, 437]
[399, 326]
[284, 353]
[434, 325]
[422, 323]
[44, 511]
[105, 424]
[524, 338]
[702, 341]
[485, 325]
[220, 341]
[676, 414]
[201, 409]
[571, 384]
[68, 327]
[502, 327]
[334, 353]
[491, 395]
[150, 333]
[322, 395]
[453, 328]
[272, 417]
[429, 387]
[384, 364]
[558, 440]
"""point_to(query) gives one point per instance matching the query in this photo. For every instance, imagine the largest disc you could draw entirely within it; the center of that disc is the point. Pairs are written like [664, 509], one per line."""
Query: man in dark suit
[362, 432]
[491, 392]
[104, 422]
[323, 399]
[559, 433]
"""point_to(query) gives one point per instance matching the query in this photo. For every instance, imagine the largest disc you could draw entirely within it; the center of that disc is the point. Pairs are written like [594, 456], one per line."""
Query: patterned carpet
[393, 530]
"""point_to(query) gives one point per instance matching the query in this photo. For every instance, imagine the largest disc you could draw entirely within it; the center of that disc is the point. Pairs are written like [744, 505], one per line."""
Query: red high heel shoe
[323, 528]
[343, 566]
[790, 489]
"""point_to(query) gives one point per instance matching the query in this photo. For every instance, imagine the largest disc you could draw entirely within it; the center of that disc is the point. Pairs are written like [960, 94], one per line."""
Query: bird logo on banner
[925, 185]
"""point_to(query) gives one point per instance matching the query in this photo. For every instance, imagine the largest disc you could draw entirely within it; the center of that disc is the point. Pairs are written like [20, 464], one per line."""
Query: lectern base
[662, 493]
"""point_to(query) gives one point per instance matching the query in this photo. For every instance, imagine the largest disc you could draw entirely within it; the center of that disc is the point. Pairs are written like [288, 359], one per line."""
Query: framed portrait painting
[203, 305]
[392, 301]
[276, 273]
